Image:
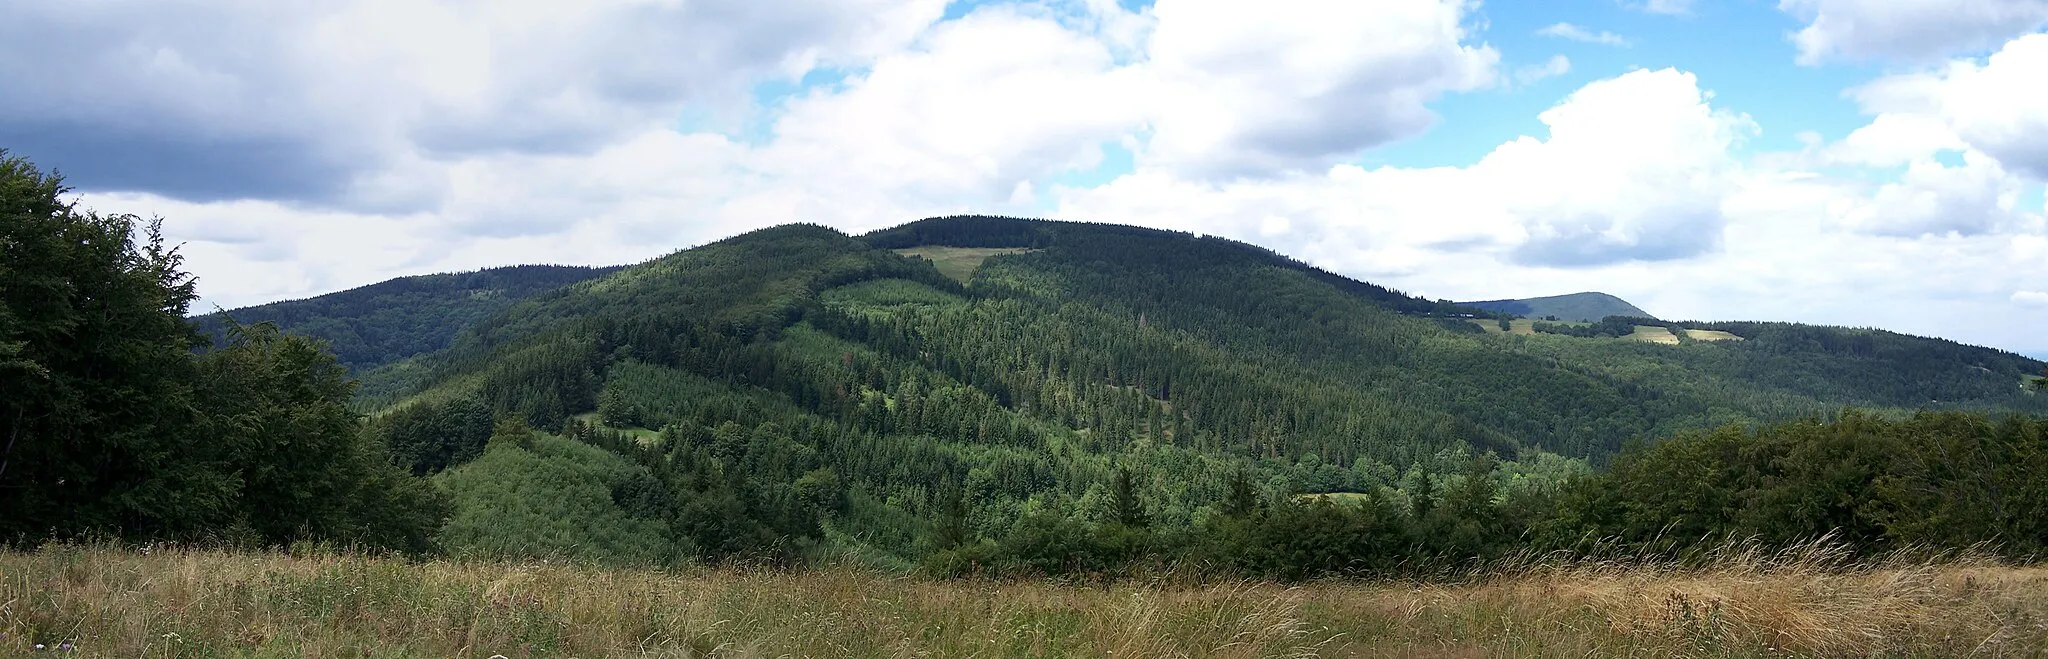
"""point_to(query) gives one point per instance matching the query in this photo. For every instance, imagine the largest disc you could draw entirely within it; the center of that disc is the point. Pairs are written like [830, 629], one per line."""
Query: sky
[1870, 163]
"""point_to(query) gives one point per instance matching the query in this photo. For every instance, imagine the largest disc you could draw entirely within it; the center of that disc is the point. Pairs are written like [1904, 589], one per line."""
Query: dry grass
[958, 263]
[1710, 335]
[179, 603]
[1653, 334]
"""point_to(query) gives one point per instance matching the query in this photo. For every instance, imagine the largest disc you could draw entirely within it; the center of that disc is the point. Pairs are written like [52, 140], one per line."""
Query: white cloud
[1556, 66]
[955, 118]
[1576, 33]
[1244, 89]
[1891, 140]
[1634, 168]
[1997, 106]
[1909, 30]
[1669, 7]
[1975, 197]
[2030, 298]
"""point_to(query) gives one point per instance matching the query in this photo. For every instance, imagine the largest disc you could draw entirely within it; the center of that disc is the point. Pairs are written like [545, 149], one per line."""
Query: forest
[1108, 401]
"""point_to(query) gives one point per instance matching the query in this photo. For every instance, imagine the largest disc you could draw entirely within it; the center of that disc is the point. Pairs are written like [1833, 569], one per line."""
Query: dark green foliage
[1934, 480]
[387, 322]
[427, 437]
[1608, 327]
[1125, 507]
[112, 424]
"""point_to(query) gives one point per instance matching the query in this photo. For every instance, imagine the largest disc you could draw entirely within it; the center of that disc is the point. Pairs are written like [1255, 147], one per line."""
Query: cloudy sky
[1850, 162]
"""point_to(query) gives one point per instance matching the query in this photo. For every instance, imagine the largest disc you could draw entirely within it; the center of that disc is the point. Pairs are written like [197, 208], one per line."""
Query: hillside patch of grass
[1521, 326]
[1653, 334]
[1710, 335]
[203, 603]
[959, 262]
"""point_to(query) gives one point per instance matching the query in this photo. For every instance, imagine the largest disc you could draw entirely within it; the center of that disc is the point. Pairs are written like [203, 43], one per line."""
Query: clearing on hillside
[1351, 498]
[1523, 326]
[958, 262]
[1710, 335]
[1653, 334]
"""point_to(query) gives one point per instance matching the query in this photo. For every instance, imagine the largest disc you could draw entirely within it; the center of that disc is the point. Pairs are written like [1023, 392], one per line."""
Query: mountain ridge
[1585, 307]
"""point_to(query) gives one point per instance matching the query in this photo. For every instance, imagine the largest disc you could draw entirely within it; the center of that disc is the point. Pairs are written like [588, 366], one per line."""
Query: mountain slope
[798, 374]
[1576, 307]
[388, 321]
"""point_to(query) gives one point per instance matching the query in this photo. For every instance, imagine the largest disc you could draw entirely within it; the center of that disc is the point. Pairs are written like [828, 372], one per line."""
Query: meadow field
[106, 601]
[958, 263]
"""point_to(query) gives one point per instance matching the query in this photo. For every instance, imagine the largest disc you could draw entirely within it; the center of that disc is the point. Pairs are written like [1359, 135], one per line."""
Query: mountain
[796, 389]
[385, 322]
[1576, 307]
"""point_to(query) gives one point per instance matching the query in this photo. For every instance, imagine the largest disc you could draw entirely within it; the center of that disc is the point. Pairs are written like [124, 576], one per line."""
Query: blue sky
[1850, 162]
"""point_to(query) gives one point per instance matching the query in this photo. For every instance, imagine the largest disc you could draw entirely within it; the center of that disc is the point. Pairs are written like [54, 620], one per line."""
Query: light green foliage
[886, 293]
[533, 494]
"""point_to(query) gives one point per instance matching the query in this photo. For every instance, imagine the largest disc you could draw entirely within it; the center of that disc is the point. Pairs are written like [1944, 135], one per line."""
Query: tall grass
[110, 601]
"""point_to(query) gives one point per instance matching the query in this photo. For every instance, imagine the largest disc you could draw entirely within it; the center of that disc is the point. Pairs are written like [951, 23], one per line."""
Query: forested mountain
[1576, 307]
[374, 325]
[796, 390]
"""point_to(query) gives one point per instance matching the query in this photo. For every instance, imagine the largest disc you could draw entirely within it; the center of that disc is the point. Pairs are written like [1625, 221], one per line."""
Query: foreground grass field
[178, 603]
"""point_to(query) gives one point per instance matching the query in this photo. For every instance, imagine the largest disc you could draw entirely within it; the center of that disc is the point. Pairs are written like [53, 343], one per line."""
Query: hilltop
[1575, 307]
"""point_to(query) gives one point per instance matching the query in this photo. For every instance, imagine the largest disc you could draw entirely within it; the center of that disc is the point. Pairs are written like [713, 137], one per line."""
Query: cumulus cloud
[2030, 298]
[1908, 30]
[1996, 106]
[1932, 198]
[958, 119]
[1245, 89]
[1634, 169]
[1580, 34]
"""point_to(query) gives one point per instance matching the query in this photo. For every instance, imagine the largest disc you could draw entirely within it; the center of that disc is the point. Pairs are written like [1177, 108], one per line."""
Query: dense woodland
[1112, 400]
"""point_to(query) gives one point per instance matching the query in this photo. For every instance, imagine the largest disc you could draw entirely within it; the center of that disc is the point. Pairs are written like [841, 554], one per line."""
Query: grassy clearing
[179, 603]
[1653, 334]
[958, 262]
[1710, 335]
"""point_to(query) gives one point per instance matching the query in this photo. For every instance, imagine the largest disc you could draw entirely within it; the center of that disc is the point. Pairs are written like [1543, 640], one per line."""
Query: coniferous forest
[1091, 400]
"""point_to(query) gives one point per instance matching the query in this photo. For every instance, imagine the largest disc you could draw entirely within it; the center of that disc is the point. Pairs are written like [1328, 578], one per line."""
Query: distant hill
[381, 323]
[1577, 307]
